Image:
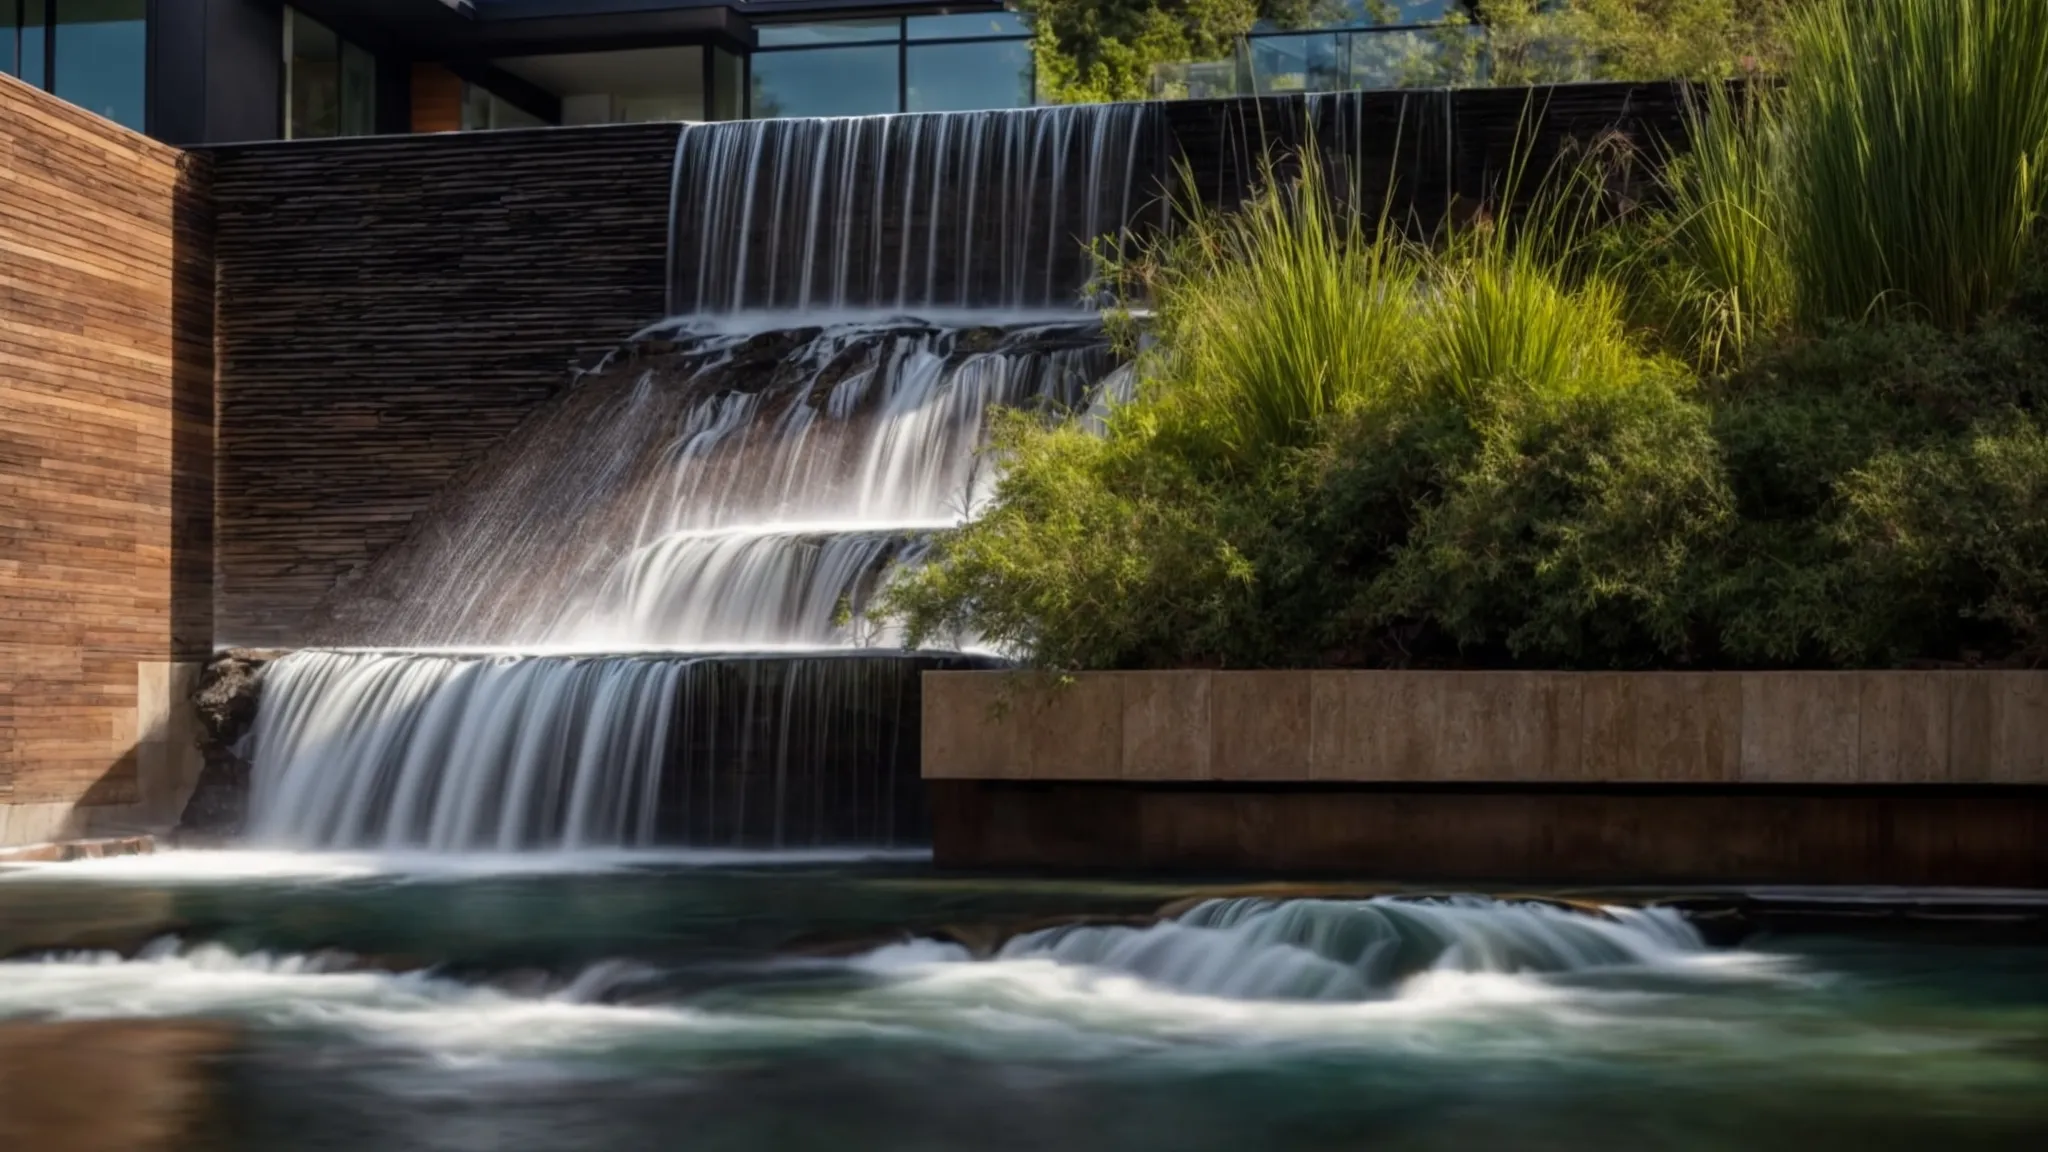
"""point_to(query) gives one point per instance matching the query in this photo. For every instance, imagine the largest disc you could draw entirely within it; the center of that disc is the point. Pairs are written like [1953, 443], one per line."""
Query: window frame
[903, 43]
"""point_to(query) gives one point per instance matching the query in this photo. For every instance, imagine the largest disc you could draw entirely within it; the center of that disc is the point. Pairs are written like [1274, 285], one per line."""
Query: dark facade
[220, 71]
[224, 71]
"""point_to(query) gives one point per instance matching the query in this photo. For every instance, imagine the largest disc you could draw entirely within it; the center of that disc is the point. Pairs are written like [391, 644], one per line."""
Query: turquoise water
[748, 1003]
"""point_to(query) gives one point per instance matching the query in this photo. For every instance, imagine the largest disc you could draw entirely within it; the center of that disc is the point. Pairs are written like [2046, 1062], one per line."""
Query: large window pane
[102, 54]
[965, 24]
[312, 61]
[967, 77]
[1414, 59]
[1368, 14]
[829, 32]
[826, 82]
[358, 91]
[728, 100]
[1307, 63]
[21, 40]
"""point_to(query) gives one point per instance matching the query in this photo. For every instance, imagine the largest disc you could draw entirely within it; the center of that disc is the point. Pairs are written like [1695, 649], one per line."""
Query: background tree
[1097, 50]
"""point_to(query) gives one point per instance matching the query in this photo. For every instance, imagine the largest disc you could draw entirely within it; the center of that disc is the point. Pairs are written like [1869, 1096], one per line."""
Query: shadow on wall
[161, 513]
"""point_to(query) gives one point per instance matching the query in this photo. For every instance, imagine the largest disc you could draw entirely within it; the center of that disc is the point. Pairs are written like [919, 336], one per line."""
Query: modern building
[215, 71]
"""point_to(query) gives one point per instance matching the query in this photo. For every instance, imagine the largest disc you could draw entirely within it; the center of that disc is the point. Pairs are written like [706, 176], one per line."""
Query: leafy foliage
[1694, 436]
[1091, 51]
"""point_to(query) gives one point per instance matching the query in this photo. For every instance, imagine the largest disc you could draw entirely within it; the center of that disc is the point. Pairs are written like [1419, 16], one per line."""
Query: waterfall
[991, 210]
[504, 752]
[1257, 949]
[716, 488]
[641, 620]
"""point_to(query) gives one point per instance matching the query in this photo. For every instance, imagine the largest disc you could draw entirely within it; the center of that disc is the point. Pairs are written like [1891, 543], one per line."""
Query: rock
[230, 690]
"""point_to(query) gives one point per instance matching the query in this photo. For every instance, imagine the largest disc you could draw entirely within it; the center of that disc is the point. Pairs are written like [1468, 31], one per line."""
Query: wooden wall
[392, 306]
[106, 415]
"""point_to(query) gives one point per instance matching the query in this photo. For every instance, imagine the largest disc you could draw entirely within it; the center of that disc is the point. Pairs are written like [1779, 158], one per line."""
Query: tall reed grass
[1897, 174]
[1274, 316]
[1730, 278]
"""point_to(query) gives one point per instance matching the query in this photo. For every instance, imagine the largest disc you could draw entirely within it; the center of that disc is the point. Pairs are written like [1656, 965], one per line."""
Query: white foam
[230, 866]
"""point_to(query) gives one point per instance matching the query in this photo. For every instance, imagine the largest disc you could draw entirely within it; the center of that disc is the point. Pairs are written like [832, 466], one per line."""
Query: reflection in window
[102, 57]
[826, 82]
[330, 85]
[833, 32]
[728, 86]
[965, 25]
[485, 110]
[21, 39]
[1416, 59]
[969, 77]
[1313, 62]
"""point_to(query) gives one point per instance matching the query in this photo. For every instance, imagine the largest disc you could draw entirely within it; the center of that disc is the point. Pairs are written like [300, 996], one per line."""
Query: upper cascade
[1250, 948]
[988, 210]
[717, 487]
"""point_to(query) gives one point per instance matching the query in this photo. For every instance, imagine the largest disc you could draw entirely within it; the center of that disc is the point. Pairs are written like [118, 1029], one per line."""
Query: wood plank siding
[106, 432]
[392, 306]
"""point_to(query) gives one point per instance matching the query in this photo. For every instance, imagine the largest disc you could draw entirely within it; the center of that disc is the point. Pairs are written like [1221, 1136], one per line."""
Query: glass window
[484, 110]
[358, 91]
[1308, 63]
[312, 61]
[965, 25]
[330, 85]
[826, 82]
[968, 77]
[728, 86]
[830, 32]
[10, 39]
[1395, 59]
[1370, 13]
[102, 57]
[21, 40]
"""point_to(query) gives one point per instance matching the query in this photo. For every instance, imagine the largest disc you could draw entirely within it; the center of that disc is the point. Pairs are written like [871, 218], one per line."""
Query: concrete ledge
[1494, 834]
[1377, 727]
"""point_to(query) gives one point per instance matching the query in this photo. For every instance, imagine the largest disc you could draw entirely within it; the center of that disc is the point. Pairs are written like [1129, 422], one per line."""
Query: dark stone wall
[1423, 155]
[1976, 836]
[390, 307]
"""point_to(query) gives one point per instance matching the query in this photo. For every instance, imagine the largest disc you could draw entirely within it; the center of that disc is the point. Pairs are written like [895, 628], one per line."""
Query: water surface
[819, 1001]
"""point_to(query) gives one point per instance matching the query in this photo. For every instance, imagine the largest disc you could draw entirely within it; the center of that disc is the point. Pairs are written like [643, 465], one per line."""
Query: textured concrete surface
[1769, 728]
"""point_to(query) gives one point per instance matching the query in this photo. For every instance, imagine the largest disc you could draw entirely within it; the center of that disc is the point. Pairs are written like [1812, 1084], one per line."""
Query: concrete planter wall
[1839, 777]
[1479, 727]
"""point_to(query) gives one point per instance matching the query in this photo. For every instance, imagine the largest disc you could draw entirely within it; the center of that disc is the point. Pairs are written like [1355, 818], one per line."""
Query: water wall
[640, 619]
[637, 614]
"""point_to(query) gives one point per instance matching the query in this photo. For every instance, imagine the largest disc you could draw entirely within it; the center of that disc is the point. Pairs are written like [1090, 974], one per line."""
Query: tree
[1096, 50]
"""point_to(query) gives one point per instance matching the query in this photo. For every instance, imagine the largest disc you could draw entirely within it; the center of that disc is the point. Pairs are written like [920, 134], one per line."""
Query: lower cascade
[1258, 949]
[452, 752]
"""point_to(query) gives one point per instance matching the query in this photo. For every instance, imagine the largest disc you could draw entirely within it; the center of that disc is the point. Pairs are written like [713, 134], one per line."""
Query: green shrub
[1573, 537]
[1946, 548]
[1802, 429]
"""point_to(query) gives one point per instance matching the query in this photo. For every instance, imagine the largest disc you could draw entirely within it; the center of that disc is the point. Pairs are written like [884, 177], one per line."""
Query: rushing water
[576, 1002]
[992, 210]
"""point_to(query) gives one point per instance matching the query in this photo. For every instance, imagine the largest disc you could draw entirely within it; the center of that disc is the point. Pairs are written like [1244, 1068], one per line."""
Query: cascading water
[1257, 949]
[641, 620]
[986, 210]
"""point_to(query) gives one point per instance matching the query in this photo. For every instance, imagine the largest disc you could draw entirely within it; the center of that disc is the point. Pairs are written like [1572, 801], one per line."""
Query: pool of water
[799, 1002]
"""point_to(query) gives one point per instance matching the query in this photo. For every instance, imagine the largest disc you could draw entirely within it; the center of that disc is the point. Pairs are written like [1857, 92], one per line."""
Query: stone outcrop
[230, 688]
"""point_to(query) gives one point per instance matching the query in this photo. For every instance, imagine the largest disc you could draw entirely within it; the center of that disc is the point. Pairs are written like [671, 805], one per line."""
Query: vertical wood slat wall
[106, 433]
